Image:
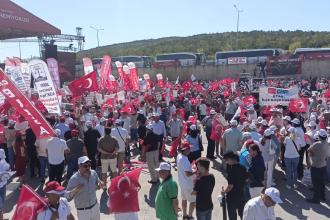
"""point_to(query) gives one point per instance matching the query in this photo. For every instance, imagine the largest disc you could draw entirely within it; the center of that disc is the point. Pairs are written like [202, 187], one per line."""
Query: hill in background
[211, 43]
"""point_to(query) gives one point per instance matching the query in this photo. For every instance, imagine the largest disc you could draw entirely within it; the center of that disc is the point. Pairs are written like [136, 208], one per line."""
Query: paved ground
[294, 206]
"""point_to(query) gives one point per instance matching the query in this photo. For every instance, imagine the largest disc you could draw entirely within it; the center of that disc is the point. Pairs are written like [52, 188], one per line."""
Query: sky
[129, 20]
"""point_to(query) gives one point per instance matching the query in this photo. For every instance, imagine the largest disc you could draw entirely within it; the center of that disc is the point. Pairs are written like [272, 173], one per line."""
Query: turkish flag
[128, 108]
[272, 90]
[174, 146]
[217, 129]
[105, 72]
[87, 83]
[160, 81]
[134, 76]
[298, 105]
[29, 204]
[248, 100]
[123, 192]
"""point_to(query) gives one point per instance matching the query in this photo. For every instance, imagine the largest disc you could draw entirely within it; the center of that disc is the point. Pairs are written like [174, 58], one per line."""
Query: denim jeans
[72, 167]
[43, 164]
[11, 156]
[204, 215]
[291, 165]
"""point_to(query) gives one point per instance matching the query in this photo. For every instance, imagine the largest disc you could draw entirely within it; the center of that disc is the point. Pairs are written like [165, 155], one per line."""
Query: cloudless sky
[129, 20]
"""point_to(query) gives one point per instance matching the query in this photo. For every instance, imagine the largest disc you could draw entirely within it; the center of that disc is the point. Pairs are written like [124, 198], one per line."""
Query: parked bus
[310, 52]
[245, 56]
[140, 61]
[179, 59]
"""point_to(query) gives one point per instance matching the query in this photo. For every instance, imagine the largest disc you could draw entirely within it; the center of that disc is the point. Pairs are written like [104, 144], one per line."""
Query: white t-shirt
[290, 150]
[63, 211]
[124, 135]
[255, 209]
[56, 148]
[127, 124]
[184, 165]
[202, 109]
[100, 129]
[41, 147]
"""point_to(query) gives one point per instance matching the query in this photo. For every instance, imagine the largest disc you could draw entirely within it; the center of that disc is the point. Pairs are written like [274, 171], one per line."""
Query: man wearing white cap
[318, 154]
[207, 124]
[158, 127]
[231, 139]
[82, 188]
[253, 132]
[262, 207]
[296, 123]
[100, 127]
[251, 113]
[56, 149]
[166, 201]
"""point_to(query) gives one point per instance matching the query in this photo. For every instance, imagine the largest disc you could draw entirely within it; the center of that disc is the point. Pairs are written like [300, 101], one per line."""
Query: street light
[238, 12]
[97, 34]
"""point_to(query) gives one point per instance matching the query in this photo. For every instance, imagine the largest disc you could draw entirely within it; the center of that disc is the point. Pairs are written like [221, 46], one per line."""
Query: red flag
[248, 100]
[105, 72]
[87, 83]
[174, 146]
[217, 128]
[88, 65]
[123, 192]
[134, 76]
[120, 70]
[29, 204]
[128, 108]
[160, 80]
[298, 105]
[19, 102]
[127, 78]
[186, 85]
[113, 84]
[147, 79]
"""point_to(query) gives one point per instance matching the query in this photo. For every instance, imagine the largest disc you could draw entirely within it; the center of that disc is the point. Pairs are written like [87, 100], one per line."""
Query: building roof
[16, 22]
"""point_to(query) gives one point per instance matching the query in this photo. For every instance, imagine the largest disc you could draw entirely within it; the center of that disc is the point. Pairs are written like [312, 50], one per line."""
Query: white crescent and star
[90, 83]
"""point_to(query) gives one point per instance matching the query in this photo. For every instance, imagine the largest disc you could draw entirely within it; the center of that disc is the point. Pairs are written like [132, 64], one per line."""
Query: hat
[70, 121]
[74, 133]
[89, 124]
[312, 124]
[193, 127]
[264, 122]
[274, 194]
[295, 121]
[58, 132]
[252, 126]
[250, 107]
[53, 187]
[83, 159]
[103, 119]
[233, 123]
[273, 128]
[2, 154]
[259, 119]
[268, 132]
[185, 146]
[140, 112]
[288, 118]
[11, 122]
[316, 136]
[149, 126]
[245, 124]
[283, 131]
[322, 133]
[292, 130]
[246, 134]
[213, 112]
[67, 113]
[164, 166]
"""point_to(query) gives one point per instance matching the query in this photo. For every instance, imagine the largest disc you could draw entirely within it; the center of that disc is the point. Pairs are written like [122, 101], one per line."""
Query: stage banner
[53, 69]
[13, 70]
[43, 83]
[284, 65]
[133, 76]
[270, 96]
[105, 72]
[88, 65]
[17, 100]
[25, 70]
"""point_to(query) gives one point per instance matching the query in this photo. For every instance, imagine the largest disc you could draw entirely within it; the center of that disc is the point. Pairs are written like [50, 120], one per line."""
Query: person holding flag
[58, 206]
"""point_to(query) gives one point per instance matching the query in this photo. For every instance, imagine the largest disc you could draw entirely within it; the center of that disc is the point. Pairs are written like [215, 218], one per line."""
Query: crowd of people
[250, 144]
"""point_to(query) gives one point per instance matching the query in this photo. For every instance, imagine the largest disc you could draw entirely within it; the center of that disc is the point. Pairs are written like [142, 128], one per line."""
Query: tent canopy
[16, 22]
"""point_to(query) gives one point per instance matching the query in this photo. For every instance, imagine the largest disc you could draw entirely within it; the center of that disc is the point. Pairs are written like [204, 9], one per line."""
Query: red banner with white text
[17, 100]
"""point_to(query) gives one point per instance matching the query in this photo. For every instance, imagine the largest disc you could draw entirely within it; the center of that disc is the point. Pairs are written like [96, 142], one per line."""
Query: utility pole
[237, 27]
[97, 34]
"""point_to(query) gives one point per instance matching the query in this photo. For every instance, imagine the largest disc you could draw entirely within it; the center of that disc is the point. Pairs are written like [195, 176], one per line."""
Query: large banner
[88, 65]
[277, 96]
[237, 60]
[26, 74]
[284, 65]
[105, 72]
[43, 83]
[53, 69]
[17, 100]
[133, 76]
